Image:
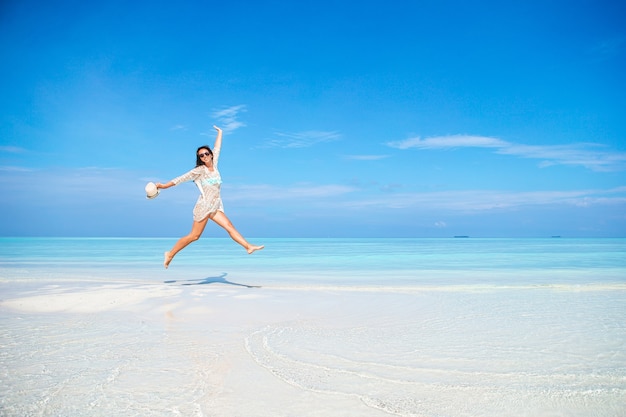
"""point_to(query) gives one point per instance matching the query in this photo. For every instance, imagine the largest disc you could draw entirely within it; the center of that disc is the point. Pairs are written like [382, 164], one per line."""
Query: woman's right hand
[168, 185]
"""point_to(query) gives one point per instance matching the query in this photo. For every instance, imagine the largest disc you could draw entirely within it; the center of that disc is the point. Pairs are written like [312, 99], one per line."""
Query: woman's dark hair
[198, 160]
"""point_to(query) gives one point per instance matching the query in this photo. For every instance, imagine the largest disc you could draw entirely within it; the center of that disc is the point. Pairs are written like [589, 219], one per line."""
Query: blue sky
[340, 118]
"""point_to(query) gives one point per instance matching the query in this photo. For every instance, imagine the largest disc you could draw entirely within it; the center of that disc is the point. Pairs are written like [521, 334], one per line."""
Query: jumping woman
[209, 204]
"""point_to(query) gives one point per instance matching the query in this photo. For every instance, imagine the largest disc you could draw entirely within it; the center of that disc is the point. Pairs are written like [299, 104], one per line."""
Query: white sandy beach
[167, 349]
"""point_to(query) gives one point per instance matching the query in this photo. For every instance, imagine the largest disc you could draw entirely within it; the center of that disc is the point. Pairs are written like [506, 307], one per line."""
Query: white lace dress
[208, 182]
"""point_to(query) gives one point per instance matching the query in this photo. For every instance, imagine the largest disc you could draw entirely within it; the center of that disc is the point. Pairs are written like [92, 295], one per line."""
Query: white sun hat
[151, 190]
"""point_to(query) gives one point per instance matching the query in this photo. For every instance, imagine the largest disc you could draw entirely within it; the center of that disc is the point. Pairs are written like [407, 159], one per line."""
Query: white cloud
[367, 157]
[338, 198]
[302, 139]
[7, 168]
[12, 149]
[589, 155]
[471, 201]
[227, 118]
[448, 142]
[584, 154]
[81, 185]
[287, 194]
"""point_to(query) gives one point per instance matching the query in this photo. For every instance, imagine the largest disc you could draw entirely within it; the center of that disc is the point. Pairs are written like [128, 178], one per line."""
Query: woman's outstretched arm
[166, 185]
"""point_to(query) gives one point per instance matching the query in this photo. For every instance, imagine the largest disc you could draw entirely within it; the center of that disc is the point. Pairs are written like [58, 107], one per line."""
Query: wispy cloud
[366, 157]
[264, 193]
[448, 142]
[590, 155]
[178, 127]
[227, 118]
[7, 168]
[302, 139]
[12, 149]
[473, 201]
[87, 184]
[342, 197]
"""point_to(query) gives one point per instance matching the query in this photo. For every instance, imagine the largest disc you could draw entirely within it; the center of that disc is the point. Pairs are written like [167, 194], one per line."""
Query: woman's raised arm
[218, 139]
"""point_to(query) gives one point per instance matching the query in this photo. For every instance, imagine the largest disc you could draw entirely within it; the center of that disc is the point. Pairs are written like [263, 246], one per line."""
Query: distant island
[461, 236]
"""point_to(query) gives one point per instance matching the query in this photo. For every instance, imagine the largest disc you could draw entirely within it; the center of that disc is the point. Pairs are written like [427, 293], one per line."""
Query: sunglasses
[202, 155]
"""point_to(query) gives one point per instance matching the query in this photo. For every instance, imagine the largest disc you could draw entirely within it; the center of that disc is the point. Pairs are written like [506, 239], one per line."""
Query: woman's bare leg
[196, 232]
[220, 218]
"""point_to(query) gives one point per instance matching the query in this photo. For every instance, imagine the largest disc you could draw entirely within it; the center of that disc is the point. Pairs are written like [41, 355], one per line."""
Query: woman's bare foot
[254, 248]
[167, 259]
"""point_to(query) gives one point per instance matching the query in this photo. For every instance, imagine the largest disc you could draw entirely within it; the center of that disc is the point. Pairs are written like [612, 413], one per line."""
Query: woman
[209, 204]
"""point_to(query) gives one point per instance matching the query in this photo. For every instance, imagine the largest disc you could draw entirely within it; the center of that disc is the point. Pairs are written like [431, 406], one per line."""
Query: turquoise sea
[297, 262]
[313, 327]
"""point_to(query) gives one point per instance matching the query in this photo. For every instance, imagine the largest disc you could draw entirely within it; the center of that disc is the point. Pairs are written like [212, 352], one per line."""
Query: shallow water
[313, 327]
[492, 353]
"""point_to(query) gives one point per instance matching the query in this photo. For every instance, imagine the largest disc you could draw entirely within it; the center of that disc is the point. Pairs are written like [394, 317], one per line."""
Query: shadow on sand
[210, 280]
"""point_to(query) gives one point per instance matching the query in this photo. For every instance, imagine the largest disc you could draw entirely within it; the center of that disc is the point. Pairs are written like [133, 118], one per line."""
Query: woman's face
[204, 155]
